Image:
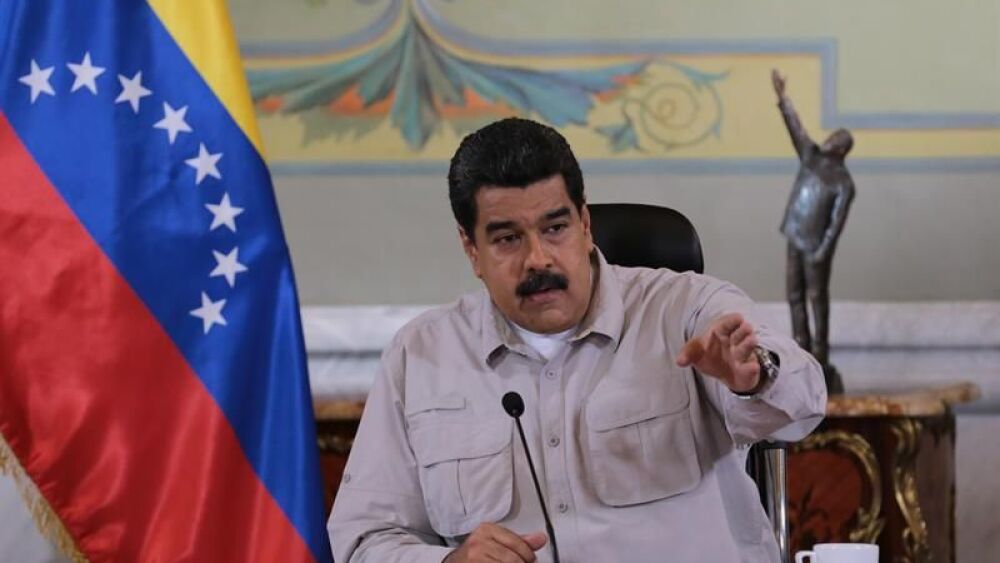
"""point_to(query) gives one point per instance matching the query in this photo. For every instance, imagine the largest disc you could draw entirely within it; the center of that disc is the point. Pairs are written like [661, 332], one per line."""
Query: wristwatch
[769, 363]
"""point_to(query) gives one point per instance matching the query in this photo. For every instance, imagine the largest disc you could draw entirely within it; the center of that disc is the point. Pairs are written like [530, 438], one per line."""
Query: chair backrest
[634, 234]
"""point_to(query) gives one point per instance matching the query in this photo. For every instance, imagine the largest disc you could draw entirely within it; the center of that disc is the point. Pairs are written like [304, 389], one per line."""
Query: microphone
[514, 405]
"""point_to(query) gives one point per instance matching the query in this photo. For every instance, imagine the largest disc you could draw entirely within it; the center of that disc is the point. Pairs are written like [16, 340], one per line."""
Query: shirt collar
[497, 334]
[605, 316]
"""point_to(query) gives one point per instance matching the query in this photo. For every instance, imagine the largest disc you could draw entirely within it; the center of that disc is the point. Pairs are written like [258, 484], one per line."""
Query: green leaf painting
[419, 83]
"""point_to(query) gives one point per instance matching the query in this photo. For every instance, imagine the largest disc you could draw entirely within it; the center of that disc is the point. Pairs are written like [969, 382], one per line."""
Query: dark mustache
[540, 281]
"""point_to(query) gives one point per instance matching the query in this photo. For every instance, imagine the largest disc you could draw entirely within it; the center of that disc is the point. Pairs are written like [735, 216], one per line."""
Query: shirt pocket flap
[614, 407]
[446, 402]
[437, 442]
[641, 441]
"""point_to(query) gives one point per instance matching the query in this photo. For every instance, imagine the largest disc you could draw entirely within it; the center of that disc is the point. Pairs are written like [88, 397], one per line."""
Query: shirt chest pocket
[465, 469]
[640, 443]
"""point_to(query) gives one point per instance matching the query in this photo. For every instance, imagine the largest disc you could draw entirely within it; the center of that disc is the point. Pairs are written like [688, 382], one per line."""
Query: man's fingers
[498, 553]
[743, 342]
[727, 325]
[722, 334]
[691, 353]
[741, 332]
[743, 352]
[536, 540]
[513, 543]
[493, 542]
[731, 322]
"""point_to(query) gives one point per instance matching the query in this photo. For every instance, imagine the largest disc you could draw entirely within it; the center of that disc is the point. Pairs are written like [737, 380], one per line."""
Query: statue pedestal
[880, 469]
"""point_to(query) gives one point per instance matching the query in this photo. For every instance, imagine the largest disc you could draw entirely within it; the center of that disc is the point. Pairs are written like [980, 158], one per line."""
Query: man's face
[532, 251]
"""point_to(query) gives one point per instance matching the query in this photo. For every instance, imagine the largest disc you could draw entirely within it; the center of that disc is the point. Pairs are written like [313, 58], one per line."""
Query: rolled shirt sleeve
[793, 406]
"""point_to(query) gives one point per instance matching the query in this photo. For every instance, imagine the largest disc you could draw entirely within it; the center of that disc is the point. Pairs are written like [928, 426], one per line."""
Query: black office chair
[633, 234]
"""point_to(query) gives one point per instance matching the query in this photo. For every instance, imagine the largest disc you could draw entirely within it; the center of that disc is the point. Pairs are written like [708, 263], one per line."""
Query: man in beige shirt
[643, 389]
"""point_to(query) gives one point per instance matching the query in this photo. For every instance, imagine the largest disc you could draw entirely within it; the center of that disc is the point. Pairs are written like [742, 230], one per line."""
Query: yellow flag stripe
[204, 33]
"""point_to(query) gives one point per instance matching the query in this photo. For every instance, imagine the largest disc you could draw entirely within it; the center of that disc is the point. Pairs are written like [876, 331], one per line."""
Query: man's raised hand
[725, 351]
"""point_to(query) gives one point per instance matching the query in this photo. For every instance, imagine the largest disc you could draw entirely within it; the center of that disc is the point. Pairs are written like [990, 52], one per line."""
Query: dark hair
[512, 152]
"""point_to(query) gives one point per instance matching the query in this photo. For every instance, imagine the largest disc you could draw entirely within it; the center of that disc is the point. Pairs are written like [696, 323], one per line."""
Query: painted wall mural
[409, 75]
[405, 80]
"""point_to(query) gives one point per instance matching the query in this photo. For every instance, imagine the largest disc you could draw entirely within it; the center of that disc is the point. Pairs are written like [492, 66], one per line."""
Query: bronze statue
[814, 219]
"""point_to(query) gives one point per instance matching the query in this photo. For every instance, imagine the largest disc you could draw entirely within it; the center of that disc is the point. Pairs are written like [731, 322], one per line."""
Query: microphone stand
[514, 405]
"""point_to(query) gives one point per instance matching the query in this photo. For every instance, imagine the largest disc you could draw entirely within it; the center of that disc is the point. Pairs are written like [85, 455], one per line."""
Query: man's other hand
[491, 542]
[725, 351]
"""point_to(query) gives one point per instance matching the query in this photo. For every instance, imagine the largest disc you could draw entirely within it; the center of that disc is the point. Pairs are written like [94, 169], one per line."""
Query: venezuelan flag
[153, 381]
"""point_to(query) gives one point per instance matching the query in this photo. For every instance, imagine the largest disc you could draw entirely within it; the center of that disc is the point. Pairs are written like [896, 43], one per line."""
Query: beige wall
[927, 236]
[917, 81]
[896, 55]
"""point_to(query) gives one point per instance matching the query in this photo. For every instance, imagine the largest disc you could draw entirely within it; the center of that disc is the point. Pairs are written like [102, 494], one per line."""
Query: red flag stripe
[130, 450]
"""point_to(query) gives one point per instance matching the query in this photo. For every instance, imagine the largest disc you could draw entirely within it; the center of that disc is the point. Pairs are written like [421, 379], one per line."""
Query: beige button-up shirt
[638, 459]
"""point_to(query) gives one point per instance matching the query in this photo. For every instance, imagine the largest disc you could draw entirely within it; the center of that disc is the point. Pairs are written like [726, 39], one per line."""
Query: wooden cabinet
[336, 424]
[880, 469]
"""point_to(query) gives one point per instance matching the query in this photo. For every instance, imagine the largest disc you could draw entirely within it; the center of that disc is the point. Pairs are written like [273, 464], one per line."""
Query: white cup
[840, 553]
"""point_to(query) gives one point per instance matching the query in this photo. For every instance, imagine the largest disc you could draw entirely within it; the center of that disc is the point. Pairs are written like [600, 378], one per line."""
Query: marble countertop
[332, 410]
[917, 401]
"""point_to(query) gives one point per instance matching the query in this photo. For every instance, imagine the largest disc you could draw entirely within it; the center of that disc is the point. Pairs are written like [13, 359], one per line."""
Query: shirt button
[554, 441]
[563, 507]
[347, 477]
[550, 374]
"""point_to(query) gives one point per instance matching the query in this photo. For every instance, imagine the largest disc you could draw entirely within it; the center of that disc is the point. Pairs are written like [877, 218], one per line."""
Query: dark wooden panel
[335, 438]
[888, 480]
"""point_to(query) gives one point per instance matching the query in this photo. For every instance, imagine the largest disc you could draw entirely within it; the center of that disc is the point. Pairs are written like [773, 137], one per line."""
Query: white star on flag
[85, 74]
[228, 265]
[204, 164]
[224, 214]
[173, 122]
[210, 312]
[38, 81]
[132, 91]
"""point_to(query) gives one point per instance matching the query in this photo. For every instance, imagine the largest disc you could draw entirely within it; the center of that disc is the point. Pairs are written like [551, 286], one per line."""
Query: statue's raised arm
[800, 138]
